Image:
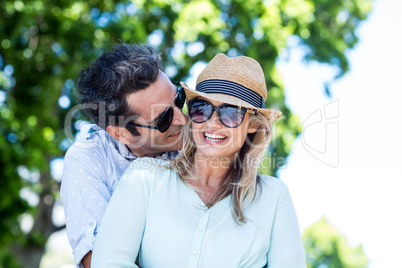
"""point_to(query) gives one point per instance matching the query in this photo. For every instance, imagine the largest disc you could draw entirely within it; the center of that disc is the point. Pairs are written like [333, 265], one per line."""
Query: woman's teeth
[214, 137]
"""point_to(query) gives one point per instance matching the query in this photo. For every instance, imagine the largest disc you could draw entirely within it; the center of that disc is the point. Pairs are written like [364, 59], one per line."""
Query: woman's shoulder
[272, 184]
[147, 163]
[146, 168]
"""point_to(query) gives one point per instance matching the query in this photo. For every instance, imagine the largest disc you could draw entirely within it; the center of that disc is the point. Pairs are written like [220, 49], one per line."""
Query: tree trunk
[29, 257]
[30, 252]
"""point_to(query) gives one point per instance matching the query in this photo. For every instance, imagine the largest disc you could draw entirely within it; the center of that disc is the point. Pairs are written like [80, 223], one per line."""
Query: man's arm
[85, 194]
[86, 261]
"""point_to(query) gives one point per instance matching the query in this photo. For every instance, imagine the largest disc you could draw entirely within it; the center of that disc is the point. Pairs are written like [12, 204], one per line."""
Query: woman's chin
[215, 155]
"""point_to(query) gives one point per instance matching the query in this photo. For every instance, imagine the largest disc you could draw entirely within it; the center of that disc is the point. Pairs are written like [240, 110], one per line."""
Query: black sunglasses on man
[166, 118]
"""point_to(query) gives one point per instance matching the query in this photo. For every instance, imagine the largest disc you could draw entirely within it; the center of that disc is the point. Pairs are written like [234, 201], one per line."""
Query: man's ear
[119, 133]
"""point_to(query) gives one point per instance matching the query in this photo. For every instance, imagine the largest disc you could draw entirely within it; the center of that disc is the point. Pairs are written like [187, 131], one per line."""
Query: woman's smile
[213, 138]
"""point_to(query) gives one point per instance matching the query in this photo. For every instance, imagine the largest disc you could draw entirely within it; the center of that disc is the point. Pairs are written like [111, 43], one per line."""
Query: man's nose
[179, 118]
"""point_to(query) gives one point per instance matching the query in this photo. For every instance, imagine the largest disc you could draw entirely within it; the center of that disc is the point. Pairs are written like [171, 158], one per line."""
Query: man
[137, 111]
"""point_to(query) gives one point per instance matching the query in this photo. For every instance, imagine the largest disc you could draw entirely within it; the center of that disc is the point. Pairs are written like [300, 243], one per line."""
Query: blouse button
[201, 229]
[195, 252]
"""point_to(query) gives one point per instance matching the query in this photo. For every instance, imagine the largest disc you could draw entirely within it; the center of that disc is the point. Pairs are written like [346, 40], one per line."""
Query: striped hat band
[218, 86]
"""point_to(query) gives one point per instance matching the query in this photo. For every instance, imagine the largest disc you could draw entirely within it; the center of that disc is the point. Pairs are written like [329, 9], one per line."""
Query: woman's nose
[214, 121]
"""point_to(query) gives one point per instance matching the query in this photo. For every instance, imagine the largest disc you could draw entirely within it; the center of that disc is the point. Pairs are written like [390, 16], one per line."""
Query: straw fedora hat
[239, 81]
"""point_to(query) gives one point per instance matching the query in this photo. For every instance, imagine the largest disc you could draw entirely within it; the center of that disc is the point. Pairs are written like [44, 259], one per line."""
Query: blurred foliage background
[45, 44]
[326, 247]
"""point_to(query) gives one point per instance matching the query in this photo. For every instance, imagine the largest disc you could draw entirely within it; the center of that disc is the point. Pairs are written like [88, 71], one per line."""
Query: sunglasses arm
[137, 125]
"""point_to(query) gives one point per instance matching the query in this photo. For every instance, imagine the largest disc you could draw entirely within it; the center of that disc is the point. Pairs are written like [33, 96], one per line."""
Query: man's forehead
[150, 102]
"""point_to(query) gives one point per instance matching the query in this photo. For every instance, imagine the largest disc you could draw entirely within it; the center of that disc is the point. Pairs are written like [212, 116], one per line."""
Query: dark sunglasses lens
[181, 98]
[200, 111]
[231, 116]
[166, 120]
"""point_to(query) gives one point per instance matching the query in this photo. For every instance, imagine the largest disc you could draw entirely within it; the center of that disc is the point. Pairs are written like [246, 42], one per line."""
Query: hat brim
[191, 94]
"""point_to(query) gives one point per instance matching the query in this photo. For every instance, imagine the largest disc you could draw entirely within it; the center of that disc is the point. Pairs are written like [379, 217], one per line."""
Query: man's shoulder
[89, 140]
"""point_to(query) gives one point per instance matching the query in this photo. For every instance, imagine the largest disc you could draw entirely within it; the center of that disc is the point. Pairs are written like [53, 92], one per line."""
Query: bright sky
[361, 196]
[359, 134]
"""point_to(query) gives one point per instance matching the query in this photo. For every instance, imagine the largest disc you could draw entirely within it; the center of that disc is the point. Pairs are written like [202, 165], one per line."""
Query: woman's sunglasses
[166, 117]
[230, 115]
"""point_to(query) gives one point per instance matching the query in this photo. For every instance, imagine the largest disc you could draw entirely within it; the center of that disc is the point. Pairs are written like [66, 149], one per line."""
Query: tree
[326, 247]
[44, 45]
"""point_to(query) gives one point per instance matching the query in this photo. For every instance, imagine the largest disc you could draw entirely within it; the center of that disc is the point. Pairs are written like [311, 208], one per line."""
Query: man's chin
[177, 145]
[174, 145]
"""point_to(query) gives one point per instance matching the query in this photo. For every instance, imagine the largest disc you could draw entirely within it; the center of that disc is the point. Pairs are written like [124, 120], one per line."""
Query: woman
[208, 208]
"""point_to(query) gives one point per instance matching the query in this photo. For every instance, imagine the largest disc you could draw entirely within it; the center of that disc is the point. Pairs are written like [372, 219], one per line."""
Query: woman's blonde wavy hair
[241, 180]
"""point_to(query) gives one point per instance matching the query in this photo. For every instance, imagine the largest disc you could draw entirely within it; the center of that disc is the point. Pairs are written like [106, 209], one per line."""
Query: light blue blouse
[153, 213]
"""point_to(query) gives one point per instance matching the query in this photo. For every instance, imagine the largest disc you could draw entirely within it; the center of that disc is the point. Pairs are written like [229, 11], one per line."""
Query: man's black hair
[103, 86]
